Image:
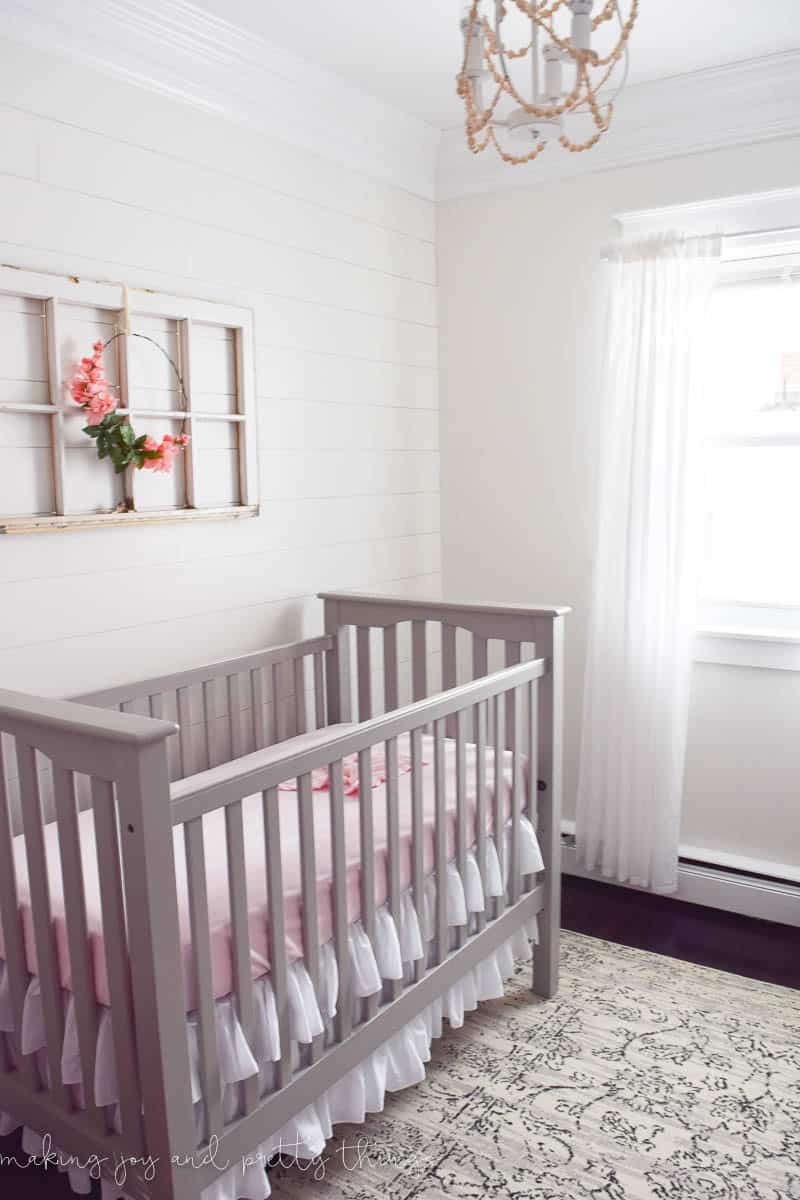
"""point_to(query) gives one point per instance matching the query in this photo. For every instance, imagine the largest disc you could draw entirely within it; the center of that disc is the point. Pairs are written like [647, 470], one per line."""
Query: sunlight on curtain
[645, 571]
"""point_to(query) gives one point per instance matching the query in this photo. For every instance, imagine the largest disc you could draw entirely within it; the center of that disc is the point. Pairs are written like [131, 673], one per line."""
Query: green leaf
[127, 434]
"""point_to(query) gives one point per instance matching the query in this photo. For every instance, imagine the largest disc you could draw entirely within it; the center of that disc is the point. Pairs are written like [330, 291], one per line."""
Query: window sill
[740, 646]
[49, 524]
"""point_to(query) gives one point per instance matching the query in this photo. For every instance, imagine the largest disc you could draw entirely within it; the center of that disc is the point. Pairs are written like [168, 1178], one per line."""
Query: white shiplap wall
[102, 179]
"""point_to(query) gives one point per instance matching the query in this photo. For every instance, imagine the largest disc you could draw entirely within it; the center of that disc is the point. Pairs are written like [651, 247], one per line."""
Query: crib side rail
[121, 761]
[229, 708]
[206, 793]
[449, 642]
[458, 772]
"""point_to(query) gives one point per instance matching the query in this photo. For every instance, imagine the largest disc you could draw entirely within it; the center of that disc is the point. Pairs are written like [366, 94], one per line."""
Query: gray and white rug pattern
[646, 1078]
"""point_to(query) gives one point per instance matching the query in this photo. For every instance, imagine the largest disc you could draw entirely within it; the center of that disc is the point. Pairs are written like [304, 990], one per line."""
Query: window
[751, 574]
[50, 475]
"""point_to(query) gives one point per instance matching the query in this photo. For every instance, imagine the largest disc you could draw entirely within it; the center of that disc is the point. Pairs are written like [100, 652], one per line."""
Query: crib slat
[390, 671]
[480, 657]
[156, 704]
[516, 795]
[461, 810]
[480, 666]
[499, 787]
[418, 843]
[419, 660]
[185, 735]
[213, 751]
[393, 843]
[80, 959]
[448, 657]
[367, 836]
[240, 935]
[211, 1080]
[16, 964]
[364, 673]
[533, 762]
[115, 941]
[44, 937]
[319, 690]
[440, 841]
[258, 713]
[276, 731]
[277, 936]
[513, 655]
[235, 715]
[301, 720]
[340, 915]
[449, 670]
[480, 802]
[308, 877]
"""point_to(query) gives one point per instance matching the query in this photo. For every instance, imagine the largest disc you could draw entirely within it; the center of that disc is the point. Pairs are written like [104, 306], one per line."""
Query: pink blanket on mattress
[216, 861]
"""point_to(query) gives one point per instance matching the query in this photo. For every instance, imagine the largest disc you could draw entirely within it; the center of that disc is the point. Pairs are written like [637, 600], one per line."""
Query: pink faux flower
[90, 389]
[167, 451]
[98, 408]
[320, 779]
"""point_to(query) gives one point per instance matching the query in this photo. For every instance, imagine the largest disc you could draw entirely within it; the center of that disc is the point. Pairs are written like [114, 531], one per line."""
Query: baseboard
[713, 887]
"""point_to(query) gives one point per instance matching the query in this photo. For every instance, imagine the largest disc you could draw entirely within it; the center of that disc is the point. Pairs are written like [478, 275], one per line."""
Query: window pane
[213, 369]
[156, 490]
[25, 465]
[23, 351]
[216, 456]
[754, 525]
[152, 382]
[755, 358]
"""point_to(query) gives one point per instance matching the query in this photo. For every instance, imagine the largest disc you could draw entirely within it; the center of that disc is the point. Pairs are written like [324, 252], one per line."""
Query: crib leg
[550, 644]
[546, 957]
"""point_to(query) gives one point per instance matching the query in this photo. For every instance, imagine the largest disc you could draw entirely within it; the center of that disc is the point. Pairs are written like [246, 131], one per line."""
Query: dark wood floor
[742, 945]
[757, 949]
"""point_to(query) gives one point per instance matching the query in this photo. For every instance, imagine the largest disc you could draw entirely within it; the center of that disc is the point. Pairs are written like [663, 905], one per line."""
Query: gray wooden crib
[150, 757]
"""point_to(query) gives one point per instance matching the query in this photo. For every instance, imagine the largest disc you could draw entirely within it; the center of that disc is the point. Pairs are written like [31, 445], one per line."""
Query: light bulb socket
[581, 24]
[553, 77]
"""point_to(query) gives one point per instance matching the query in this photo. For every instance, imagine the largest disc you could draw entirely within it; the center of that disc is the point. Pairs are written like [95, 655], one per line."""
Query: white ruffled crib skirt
[398, 1064]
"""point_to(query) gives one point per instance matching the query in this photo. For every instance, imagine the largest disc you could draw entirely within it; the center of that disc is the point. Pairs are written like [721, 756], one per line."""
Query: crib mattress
[258, 916]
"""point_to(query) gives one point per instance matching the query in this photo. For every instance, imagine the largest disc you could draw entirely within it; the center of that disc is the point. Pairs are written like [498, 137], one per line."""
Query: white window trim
[55, 288]
[733, 633]
[743, 646]
[761, 239]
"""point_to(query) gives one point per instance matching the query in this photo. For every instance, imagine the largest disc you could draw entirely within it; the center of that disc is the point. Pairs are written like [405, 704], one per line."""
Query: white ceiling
[407, 52]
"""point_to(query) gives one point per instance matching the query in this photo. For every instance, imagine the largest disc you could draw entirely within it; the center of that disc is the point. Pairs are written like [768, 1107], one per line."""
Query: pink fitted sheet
[217, 872]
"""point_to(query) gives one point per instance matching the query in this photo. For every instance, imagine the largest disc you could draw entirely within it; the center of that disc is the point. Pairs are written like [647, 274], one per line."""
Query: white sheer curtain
[637, 682]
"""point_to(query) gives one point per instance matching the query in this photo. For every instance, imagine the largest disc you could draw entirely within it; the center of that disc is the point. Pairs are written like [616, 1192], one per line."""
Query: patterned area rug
[646, 1077]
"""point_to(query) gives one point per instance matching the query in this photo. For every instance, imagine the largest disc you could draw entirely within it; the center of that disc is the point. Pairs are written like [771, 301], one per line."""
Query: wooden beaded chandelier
[512, 47]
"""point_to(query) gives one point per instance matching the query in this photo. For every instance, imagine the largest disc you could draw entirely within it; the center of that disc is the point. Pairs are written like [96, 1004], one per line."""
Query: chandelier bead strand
[550, 112]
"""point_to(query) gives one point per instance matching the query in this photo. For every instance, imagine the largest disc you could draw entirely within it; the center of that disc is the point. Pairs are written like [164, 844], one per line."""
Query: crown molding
[733, 105]
[177, 49]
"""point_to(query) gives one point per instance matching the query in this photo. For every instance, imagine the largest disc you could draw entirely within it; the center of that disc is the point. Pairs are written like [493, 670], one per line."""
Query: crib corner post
[337, 672]
[154, 941]
[550, 646]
